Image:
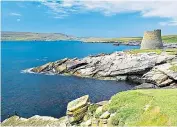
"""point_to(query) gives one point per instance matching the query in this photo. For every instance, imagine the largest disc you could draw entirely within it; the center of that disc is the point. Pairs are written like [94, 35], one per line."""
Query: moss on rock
[173, 68]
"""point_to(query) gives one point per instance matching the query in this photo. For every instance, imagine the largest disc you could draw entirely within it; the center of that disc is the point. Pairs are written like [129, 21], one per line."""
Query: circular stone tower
[152, 40]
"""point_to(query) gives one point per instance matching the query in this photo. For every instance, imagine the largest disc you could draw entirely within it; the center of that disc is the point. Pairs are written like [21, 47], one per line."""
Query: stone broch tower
[152, 40]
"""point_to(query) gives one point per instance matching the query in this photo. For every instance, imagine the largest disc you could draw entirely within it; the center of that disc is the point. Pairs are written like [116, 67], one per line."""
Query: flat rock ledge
[159, 69]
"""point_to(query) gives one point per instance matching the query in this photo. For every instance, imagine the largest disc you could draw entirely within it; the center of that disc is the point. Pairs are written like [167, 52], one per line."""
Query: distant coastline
[29, 36]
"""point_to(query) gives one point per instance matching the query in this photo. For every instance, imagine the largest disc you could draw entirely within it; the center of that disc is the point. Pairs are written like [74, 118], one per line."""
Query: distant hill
[28, 36]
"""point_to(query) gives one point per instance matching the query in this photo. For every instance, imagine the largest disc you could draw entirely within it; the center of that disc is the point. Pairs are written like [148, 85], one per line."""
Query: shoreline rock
[135, 67]
[79, 112]
[114, 112]
[77, 109]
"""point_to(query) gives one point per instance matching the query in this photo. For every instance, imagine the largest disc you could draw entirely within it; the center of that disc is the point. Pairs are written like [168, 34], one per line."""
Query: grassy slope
[155, 107]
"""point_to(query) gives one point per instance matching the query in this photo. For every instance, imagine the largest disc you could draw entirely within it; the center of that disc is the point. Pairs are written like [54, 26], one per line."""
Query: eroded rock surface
[148, 67]
[77, 109]
[162, 75]
[35, 121]
[105, 65]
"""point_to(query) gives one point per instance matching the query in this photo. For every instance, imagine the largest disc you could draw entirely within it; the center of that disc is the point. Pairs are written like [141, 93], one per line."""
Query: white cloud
[18, 20]
[15, 14]
[151, 8]
[169, 23]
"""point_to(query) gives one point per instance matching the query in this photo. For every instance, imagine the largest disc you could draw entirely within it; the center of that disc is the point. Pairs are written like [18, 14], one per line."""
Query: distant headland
[30, 36]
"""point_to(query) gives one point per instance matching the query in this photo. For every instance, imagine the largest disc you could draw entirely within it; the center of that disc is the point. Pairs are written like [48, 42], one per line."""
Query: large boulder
[105, 115]
[77, 109]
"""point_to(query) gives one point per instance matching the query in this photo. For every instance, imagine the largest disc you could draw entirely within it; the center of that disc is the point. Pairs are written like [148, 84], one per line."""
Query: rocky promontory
[138, 66]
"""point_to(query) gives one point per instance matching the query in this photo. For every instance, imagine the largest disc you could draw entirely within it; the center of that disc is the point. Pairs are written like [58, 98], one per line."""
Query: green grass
[156, 107]
[92, 108]
[166, 39]
[169, 38]
[173, 68]
[157, 51]
[123, 39]
[136, 51]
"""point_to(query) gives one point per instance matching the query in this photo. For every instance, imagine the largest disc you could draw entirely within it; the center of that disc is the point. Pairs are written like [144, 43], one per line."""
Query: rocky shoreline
[79, 112]
[118, 111]
[155, 67]
[133, 43]
[149, 69]
[154, 70]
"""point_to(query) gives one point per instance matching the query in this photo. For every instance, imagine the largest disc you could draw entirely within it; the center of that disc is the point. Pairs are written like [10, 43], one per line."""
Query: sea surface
[47, 95]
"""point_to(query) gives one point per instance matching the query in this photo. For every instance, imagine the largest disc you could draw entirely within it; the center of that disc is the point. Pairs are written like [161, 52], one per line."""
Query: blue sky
[90, 18]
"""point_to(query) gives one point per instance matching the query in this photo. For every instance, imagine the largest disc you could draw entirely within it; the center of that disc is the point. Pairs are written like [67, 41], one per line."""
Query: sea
[26, 94]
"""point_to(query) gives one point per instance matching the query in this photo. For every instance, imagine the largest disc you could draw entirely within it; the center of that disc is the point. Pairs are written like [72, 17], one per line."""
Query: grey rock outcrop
[162, 75]
[136, 67]
[105, 66]
[152, 40]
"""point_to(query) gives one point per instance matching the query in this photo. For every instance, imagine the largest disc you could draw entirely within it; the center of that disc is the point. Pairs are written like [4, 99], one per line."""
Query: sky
[90, 18]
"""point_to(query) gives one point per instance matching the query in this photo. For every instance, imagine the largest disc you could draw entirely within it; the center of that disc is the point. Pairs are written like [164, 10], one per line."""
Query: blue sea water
[48, 95]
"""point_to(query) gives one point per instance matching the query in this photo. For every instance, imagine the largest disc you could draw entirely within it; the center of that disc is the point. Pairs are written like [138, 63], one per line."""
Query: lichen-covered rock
[105, 115]
[61, 68]
[88, 123]
[103, 122]
[95, 122]
[35, 121]
[77, 109]
[78, 103]
[99, 111]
